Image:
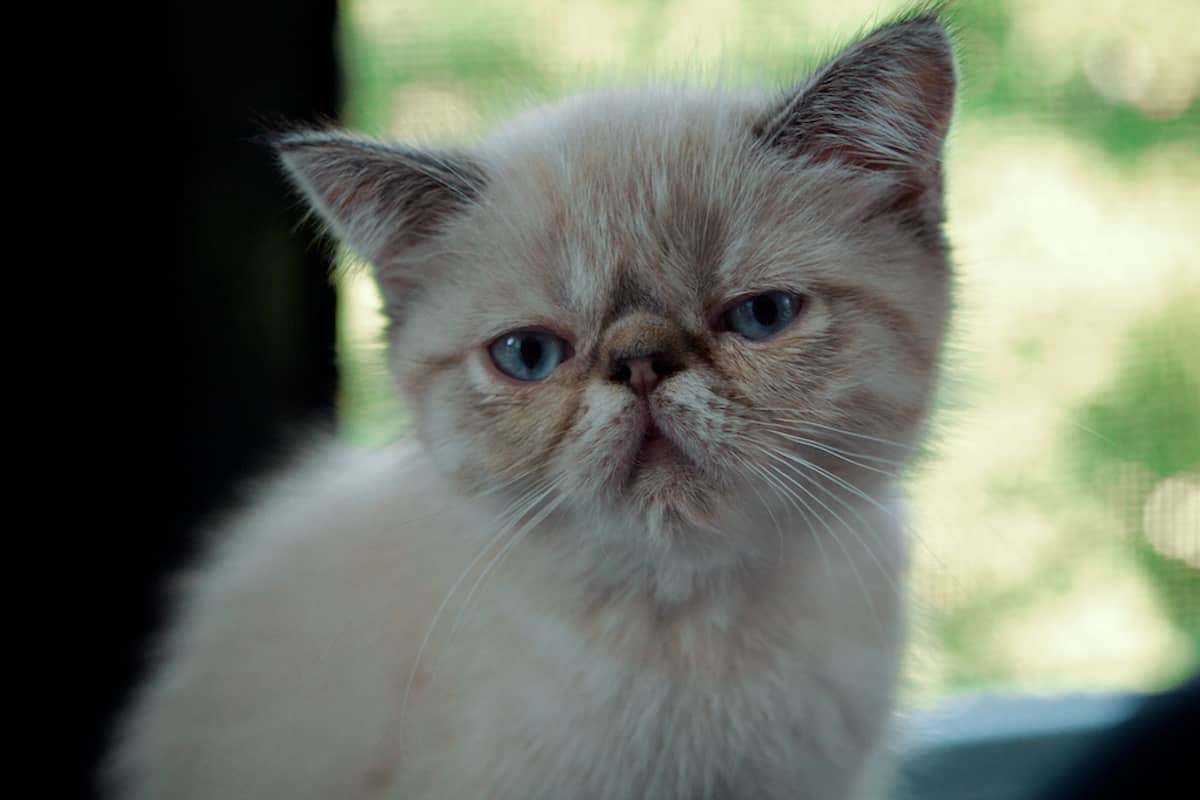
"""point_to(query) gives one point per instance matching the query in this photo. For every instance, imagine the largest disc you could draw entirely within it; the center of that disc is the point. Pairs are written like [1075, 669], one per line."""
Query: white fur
[287, 674]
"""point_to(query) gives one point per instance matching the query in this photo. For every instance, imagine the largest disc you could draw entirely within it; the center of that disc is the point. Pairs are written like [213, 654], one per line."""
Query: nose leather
[642, 375]
[642, 349]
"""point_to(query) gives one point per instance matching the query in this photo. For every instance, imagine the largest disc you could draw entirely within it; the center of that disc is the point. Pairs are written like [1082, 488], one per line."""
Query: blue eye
[528, 355]
[763, 315]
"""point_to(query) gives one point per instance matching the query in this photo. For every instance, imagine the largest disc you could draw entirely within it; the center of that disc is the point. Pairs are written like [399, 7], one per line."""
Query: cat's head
[663, 307]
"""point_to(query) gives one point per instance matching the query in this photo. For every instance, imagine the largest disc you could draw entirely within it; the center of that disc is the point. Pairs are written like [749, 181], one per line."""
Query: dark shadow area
[1151, 755]
[215, 356]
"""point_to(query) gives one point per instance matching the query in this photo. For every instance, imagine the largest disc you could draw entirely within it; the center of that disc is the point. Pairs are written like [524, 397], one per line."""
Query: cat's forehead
[627, 200]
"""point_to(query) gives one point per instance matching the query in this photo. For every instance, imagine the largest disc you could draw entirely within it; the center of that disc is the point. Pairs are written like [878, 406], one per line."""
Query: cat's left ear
[883, 104]
[381, 200]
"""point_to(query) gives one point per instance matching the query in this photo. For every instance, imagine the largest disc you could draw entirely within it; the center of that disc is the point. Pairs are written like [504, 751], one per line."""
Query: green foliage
[1150, 417]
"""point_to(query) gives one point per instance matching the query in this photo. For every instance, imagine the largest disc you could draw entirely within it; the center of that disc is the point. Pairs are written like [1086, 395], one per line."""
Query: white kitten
[664, 353]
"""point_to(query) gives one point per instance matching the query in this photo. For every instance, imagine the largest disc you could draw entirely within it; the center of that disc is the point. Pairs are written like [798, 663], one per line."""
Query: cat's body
[665, 352]
[750, 689]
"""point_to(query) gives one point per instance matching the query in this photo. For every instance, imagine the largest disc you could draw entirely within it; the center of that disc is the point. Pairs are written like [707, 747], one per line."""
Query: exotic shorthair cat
[665, 352]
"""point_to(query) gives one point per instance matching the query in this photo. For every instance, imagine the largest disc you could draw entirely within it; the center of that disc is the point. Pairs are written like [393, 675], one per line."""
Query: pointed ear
[378, 199]
[883, 104]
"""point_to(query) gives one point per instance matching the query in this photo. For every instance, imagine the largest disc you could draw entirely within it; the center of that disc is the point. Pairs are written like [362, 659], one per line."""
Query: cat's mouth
[653, 436]
[655, 448]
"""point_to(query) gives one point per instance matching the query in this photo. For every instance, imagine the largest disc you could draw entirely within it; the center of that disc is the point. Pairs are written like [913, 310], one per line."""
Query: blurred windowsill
[995, 746]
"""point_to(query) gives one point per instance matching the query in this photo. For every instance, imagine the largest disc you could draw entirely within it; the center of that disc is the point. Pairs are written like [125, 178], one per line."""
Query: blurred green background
[1058, 526]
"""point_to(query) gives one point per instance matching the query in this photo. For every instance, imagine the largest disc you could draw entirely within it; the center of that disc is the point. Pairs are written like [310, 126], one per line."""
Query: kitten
[665, 352]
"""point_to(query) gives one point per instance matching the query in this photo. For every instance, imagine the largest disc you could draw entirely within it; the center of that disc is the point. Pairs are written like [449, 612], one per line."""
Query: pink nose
[642, 375]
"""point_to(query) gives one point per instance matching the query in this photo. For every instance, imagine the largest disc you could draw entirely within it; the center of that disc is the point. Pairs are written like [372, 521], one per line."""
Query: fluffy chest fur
[303, 666]
[775, 694]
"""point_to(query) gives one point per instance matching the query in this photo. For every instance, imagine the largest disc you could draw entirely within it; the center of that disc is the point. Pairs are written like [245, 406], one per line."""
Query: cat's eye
[528, 355]
[763, 315]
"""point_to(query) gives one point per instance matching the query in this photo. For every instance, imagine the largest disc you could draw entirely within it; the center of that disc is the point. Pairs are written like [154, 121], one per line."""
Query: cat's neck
[703, 620]
[660, 585]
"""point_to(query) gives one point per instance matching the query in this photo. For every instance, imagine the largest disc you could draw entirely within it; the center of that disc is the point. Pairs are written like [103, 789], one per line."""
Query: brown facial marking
[563, 425]
[892, 317]
[639, 335]
[628, 293]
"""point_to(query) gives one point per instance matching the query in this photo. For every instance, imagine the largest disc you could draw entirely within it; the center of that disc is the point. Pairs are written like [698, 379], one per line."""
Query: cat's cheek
[456, 420]
[442, 424]
[787, 373]
[515, 422]
[895, 381]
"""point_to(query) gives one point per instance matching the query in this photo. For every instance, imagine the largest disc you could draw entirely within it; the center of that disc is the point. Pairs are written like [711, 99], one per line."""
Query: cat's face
[667, 310]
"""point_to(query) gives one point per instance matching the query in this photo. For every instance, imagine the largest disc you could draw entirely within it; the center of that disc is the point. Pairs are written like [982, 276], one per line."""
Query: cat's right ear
[378, 199]
[882, 105]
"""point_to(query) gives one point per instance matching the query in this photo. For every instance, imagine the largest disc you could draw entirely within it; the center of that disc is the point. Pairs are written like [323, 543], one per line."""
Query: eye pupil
[531, 351]
[765, 310]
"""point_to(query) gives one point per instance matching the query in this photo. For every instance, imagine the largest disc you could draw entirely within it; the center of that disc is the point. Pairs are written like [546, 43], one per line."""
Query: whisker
[797, 428]
[850, 529]
[499, 557]
[867, 527]
[437, 614]
[857, 492]
[745, 463]
[833, 451]
[840, 431]
[825, 523]
[772, 481]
